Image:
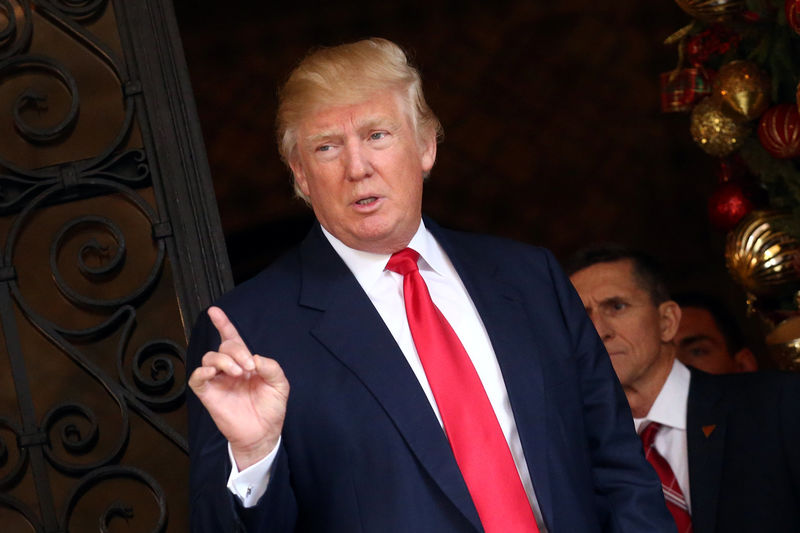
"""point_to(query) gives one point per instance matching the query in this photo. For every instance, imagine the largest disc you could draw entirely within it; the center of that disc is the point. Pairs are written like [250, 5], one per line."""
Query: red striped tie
[478, 444]
[676, 503]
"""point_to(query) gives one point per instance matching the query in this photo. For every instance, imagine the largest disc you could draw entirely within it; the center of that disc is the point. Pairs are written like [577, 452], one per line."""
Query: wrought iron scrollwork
[80, 10]
[162, 352]
[117, 508]
[16, 35]
[86, 317]
[92, 221]
[10, 473]
[22, 510]
[32, 98]
[109, 261]
[69, 15]
[10, 29]
[78, 431]
[129, 167]
[153, 368]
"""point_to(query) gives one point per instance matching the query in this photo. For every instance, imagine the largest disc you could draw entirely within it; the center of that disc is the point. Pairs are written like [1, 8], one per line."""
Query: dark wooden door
[109, 247]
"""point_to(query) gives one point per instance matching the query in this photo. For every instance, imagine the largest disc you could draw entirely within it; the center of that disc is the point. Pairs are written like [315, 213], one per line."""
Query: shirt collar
[669, 409]
[367, 267]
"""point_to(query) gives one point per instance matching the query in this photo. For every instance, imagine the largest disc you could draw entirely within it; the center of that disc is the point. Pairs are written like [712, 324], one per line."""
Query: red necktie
[478, 444]
[676, 503]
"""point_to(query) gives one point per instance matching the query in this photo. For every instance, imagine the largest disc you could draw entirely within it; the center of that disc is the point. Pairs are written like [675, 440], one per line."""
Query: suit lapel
[499, 306]
[706, 421]
[353, 331]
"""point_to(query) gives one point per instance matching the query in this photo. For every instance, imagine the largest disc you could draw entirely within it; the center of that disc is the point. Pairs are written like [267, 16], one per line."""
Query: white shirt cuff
[251, 483]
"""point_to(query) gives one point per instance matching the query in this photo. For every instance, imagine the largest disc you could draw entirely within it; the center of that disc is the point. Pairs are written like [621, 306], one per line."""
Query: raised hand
[245, 394]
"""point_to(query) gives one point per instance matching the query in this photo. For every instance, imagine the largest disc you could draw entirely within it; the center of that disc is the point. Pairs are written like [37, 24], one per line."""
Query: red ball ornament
[728, 205]
[792, 8]
[779, 131]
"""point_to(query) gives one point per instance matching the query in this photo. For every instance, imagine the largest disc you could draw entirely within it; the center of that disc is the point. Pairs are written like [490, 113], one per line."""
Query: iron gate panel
[109, 247]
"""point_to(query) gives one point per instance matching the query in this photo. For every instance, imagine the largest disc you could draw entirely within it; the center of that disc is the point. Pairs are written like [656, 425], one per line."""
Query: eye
[324, 148]
[615, 306]
[377, 135]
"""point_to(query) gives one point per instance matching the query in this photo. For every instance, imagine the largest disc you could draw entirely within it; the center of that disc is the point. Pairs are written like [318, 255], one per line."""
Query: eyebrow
[612, 300]
[695, 338]
[319, 137]
[377, 121]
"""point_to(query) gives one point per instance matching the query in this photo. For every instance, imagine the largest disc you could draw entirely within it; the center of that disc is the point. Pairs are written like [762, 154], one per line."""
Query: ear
[745, 361]
[299, 175]
[669, 317]
[428, 151]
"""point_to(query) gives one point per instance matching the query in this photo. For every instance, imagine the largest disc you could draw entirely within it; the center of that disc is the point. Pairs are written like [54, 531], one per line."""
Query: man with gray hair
[724, 446]
[440, 382]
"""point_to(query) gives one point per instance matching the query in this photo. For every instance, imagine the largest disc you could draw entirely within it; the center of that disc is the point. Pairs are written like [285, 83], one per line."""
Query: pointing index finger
[227, 331]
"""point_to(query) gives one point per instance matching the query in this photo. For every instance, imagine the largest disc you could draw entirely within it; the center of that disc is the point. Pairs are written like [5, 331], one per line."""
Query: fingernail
[250, 364]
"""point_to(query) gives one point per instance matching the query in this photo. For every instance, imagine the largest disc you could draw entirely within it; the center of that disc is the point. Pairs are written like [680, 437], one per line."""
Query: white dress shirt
[669, 410]
[385, 290]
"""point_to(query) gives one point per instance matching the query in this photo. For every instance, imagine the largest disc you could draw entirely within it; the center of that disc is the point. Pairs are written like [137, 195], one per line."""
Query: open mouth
[368, 200]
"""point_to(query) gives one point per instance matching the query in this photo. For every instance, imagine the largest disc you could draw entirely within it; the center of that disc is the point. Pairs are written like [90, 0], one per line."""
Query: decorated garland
[737, 77]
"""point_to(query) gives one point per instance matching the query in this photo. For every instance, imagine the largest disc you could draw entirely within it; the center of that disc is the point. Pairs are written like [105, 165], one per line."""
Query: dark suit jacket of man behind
[739, 482]
[362, 449]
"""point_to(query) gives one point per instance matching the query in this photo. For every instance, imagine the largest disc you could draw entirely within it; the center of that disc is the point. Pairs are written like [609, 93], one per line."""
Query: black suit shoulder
[744, 459]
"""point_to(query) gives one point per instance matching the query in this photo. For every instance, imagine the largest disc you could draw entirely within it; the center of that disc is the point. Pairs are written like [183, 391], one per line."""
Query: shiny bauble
[761, 256]
[743, 88]
[779, 131]
[729, 204]
[712, 10]
[715, 130]
[783, 343]
[792, 9]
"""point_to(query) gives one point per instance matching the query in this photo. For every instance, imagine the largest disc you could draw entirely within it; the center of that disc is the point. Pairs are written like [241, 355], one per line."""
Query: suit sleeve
[627, 490]
[212, 506]
[790, 427]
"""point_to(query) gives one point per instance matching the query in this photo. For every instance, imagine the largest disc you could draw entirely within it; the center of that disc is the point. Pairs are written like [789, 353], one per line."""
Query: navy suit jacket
[743, 434]
[362, 450]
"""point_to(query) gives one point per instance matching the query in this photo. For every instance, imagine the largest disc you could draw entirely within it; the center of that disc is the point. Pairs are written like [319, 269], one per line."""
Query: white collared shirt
[669, 410]
[385, 290]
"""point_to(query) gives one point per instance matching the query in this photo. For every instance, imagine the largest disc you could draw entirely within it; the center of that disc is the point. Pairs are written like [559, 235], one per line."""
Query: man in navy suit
[731, 441]
[361, 441]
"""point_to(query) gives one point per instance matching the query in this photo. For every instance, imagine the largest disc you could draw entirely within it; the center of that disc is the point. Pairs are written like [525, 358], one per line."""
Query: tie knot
[649, 434]
[403, 262]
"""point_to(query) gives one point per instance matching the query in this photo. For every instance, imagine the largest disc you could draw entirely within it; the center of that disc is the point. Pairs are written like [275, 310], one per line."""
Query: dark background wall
[553, 133]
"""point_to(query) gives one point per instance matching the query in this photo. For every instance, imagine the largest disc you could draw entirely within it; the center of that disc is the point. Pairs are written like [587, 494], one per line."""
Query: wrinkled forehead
[384, 110]
[605, 279]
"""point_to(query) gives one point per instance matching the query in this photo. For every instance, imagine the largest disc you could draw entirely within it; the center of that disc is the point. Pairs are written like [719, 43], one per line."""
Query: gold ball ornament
[761, 256]
[716, 131]
[783, 343]
[712, 10]
[743, 88]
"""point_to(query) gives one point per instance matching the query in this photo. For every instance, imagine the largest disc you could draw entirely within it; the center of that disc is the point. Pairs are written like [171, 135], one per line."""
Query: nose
[357, 163]
[603, 326]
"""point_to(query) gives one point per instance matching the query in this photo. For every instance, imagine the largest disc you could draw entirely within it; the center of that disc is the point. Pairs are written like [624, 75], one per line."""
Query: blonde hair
[349, 74]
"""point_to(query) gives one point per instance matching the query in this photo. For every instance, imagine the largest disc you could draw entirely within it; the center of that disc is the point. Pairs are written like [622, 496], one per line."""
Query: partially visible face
[701, 344]
[362, 168]
[625, 317]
